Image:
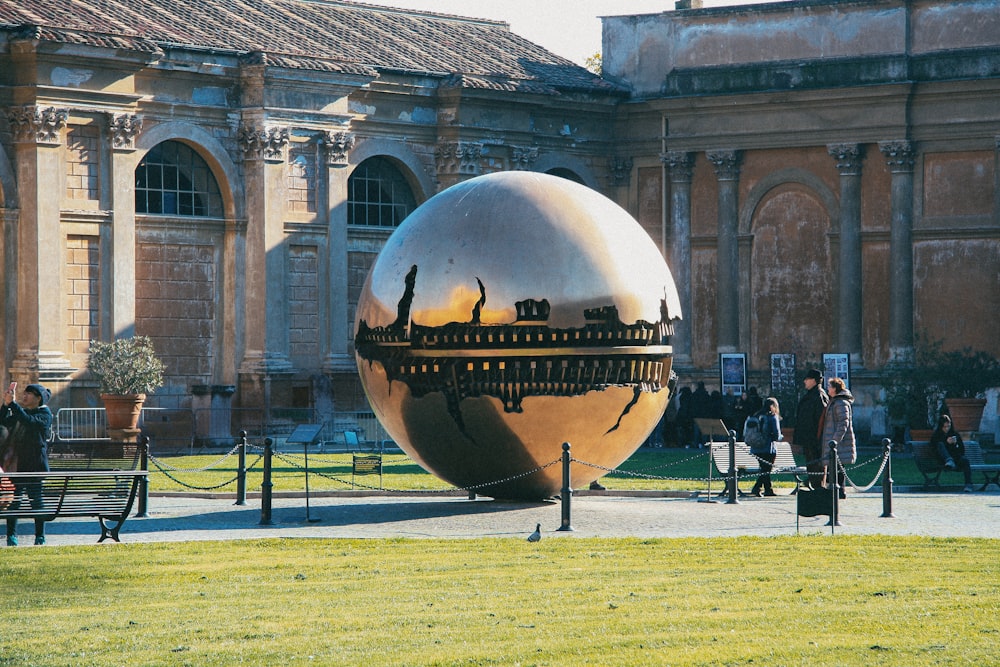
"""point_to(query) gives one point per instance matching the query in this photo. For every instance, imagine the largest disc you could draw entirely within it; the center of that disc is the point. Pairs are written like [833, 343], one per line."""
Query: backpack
[753, 433]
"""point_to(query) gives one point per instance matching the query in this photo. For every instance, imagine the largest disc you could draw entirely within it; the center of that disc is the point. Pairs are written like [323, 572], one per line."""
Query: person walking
[838, 427]
[29, 426]
[951, 450]
[809, 427]
[769, 425]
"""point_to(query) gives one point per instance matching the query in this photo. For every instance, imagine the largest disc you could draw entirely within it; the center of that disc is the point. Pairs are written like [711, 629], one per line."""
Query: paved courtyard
[601, 514]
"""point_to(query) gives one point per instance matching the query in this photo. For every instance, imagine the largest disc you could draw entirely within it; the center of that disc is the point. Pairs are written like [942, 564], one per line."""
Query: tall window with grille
[174, 180]
[378, 194]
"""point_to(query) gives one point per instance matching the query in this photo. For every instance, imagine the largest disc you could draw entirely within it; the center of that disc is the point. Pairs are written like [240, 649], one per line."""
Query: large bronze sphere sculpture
[507, 315]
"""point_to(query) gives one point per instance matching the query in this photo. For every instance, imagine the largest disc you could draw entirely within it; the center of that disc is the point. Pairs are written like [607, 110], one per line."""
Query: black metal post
[265, 487]
[834, 476]
[142, 510]
[241, 472]
[731, 481]
[887, 480]
[567, 489]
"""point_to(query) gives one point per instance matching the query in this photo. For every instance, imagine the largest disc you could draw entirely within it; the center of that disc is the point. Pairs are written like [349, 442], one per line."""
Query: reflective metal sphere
[507, 315]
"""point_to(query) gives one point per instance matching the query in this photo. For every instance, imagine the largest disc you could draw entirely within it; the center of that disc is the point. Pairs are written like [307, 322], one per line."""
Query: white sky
[569, 28]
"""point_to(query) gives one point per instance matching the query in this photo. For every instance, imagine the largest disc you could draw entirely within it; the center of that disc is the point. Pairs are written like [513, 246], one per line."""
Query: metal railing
[177, 429]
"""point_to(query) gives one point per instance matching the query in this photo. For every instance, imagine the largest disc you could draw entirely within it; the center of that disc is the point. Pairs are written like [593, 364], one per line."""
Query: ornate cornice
[680, 164]
[33, 124]
[726, 162]
[522, 157]
[458, 157]
[620, 168]
[335, 146]
[849, 158]
[123, 128]
[898, 155]
[266, 144]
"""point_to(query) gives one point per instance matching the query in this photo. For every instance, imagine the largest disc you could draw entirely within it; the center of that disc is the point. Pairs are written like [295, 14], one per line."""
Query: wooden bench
[748, 465]
[930, 466]
[99, 478]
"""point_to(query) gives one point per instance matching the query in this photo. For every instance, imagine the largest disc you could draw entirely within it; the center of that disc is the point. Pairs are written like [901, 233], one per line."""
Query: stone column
[899, 156]
[37, 265]
[118, 283]
[266, 317]
[680, 168]
[334, 149]
[849, 158]
[727, 171]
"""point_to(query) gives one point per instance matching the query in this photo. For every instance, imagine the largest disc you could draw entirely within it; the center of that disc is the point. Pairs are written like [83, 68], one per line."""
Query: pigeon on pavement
[537, 535]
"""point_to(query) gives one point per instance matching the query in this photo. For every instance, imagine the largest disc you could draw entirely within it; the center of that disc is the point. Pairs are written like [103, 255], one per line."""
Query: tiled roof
[312, 34]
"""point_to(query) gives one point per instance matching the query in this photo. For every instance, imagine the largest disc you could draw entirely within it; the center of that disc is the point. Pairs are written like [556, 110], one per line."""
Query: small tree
[126, 366]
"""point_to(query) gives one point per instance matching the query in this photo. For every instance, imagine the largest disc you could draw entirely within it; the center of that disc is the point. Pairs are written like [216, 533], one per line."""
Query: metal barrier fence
[182, 430]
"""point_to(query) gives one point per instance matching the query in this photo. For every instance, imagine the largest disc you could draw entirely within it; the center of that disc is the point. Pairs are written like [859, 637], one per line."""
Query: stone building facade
[220, 176]
[822, 176]
[826, 174]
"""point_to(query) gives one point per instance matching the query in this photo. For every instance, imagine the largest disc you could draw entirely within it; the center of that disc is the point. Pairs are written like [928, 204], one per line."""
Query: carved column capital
[458, 157]
[620, 168]
[726, 162]
[38, 125]
[848, 156]
[680, 165]
[522, 157]
[898, 155]
[123, 128]
[335, 146]
[266, 144]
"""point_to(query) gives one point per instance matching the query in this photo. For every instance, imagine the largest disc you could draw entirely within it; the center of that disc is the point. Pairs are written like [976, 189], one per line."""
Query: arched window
[174, 180]
[378, 195]
[569, 175]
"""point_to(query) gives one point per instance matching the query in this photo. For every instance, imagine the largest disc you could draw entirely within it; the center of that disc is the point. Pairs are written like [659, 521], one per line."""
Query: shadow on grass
[287, 513]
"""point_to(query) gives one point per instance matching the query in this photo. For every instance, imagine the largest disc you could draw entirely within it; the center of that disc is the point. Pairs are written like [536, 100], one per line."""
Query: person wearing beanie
[809, 426]
[29, 424]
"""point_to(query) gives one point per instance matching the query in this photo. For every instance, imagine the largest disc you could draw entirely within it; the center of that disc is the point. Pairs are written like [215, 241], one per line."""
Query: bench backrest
[784, 459]
[926, 457]
[93, 455]
[974, 453]
[744, 459]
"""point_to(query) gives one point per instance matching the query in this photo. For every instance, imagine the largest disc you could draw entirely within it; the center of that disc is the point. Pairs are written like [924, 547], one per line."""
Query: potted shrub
[909, 399]
[962, 378]
[126, 369]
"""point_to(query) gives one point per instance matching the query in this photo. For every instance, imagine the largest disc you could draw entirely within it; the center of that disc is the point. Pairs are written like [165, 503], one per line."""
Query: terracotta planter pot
[122, 412]
[966, 413]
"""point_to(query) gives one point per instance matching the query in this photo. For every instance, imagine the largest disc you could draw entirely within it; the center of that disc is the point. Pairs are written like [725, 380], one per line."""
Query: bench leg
[108, 531]
[991, 479]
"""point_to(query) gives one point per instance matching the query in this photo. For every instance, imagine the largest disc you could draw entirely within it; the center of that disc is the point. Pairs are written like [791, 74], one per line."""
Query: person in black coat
[809, 425]
[26, 449]
[951, 449]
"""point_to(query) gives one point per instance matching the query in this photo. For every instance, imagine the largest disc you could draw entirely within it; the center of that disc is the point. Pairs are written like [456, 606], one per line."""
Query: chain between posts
[169, 471]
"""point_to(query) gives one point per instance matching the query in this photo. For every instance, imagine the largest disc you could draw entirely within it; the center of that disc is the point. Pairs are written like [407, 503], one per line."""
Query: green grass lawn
[651, 469]
[804, 600]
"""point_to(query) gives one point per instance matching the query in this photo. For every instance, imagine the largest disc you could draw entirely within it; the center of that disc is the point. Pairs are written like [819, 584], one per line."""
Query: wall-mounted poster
[837, 366]
[783, 376]
[733, 370]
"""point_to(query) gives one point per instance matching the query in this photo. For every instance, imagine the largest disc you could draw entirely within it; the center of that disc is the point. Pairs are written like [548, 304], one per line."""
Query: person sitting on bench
[951, 450]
